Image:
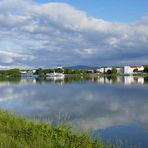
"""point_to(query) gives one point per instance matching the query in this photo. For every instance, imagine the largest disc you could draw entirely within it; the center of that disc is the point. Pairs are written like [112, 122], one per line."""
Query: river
[114, 108]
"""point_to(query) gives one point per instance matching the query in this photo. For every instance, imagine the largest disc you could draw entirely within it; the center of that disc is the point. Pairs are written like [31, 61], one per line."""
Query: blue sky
[35, 33]
[111, 10]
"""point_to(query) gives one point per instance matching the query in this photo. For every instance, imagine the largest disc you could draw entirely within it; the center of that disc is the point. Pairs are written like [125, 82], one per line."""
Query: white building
[59, 67]
[130, 69]
[121, 70]
[90, 71]
[100, 70]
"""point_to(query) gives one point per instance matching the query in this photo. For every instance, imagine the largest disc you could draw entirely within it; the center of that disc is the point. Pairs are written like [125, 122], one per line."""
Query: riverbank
[17, 132]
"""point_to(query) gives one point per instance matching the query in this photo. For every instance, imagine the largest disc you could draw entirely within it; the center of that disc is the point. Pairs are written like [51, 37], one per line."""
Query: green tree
[82, 71]
[68, 71]
[109, 71]
[40, 72]
[10, 73]
[146, 68]
[95, 71]
[135, 70]
[50, 70]
[77, 72]
[59, 70]
[114, 70]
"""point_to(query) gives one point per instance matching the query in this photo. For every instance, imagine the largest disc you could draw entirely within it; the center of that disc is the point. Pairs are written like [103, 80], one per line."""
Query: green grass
[17, 132]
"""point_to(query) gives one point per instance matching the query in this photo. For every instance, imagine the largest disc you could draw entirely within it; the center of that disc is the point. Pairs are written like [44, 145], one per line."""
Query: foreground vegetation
[21, 133]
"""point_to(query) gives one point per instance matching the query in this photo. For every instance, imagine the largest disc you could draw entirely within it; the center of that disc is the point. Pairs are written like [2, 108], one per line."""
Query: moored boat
[55, 74]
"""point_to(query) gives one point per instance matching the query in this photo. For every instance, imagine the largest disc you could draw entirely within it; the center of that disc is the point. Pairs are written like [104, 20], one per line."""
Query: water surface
[116, 108]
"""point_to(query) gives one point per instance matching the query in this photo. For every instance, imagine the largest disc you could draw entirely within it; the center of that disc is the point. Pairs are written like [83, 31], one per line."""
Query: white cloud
[9, 56]
[53, 33]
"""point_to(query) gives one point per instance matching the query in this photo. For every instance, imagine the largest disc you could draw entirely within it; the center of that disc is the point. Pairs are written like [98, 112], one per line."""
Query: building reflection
[57, 80]
[133, 80]
[127, 80]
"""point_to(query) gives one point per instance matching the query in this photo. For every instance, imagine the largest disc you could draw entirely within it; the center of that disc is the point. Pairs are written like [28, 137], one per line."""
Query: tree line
[13, 73]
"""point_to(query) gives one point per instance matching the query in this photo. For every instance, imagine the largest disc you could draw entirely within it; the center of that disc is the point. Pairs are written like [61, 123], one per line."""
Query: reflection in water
[137, 137]
[111, 104]
[127, 80]
[86, 104]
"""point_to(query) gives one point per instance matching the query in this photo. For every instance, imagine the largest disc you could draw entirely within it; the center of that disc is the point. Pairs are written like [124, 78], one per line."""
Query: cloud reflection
[88, 105]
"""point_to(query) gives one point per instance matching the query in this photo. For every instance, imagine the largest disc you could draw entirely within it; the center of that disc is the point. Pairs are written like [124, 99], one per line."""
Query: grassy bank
[22, 133]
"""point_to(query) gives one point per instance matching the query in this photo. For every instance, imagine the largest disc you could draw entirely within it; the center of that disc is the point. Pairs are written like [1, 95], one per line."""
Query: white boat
[55, 75]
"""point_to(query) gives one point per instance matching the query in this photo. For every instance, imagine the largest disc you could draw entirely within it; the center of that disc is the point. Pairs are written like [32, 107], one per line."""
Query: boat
[55, 75]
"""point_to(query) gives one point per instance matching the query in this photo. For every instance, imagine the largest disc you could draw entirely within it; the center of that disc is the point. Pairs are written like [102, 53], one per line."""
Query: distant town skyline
[43, 33]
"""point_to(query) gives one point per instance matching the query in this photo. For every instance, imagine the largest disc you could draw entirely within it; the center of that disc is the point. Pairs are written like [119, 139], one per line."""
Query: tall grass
[17, 132]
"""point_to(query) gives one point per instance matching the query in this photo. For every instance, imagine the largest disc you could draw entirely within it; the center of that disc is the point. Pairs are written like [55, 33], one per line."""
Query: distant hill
[79, 67]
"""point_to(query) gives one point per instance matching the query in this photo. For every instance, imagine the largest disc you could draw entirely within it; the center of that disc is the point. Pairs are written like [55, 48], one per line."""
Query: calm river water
[115, 108]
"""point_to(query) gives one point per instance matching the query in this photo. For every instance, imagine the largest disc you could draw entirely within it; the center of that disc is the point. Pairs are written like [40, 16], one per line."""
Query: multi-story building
[121, 70]
[130, 69]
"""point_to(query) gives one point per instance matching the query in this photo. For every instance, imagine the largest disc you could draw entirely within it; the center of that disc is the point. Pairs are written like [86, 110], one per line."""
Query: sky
[45, 33]
[110, 10]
